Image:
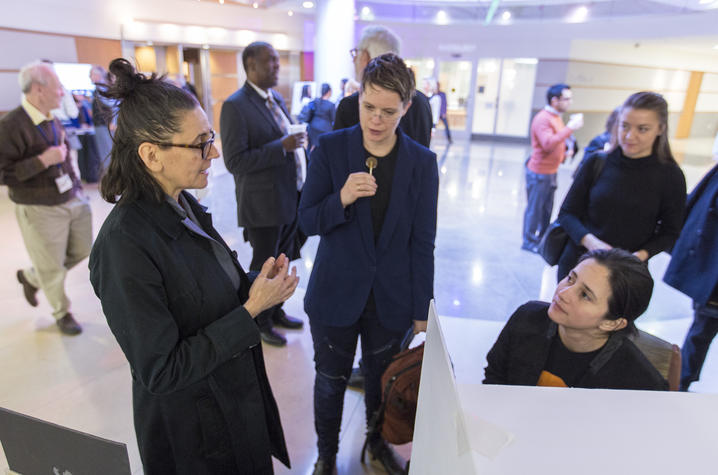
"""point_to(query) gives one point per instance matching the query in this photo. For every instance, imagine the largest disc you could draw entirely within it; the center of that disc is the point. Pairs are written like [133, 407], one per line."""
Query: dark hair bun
[127, 79]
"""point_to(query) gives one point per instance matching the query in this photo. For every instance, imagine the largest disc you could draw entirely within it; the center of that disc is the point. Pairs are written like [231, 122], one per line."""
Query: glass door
[504, 93]
[455, 81]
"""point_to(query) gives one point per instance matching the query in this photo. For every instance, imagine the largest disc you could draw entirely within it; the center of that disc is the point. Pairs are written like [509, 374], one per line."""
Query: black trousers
[269, 242]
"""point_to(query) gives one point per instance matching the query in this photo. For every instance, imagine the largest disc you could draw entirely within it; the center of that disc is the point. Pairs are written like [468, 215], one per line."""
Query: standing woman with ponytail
[175, 297]
[636, 201]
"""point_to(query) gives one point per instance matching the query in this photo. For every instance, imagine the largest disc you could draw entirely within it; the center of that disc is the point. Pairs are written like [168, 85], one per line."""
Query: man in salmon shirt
[548, 151]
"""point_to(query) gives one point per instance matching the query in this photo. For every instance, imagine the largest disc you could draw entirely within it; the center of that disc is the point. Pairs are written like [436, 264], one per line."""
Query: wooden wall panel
[306, 65]
[146, 59]
[223, 73]
[689, 105]
[97, 51]
[172, 58]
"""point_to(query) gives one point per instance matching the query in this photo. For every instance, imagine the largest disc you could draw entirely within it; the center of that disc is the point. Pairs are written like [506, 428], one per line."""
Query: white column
[333, 39]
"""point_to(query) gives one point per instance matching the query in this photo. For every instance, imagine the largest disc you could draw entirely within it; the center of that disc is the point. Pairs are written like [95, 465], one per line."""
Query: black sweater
[626, 203]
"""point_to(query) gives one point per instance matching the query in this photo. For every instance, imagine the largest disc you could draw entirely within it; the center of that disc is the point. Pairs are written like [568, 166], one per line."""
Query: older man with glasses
[377, 40]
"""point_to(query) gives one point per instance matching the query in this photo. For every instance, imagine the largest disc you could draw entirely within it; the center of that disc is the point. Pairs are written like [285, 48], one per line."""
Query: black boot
[384, 454]
[324, 467]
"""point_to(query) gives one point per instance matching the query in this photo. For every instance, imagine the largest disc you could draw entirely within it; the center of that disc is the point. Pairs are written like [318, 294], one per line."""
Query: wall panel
[97, 51]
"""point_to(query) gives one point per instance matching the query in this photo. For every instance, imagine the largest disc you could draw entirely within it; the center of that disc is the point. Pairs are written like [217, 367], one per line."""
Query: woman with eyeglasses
[175, 297]
[370, 195]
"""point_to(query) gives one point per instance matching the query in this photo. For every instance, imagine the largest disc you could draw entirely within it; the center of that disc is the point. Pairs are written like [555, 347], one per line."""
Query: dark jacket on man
[416, 123]
[265, 176]
[202, 400]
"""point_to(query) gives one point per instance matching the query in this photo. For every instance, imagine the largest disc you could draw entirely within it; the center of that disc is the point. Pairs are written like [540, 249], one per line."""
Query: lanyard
[54, 134]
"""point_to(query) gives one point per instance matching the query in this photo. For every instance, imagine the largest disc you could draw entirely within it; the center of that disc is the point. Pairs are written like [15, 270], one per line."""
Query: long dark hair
[150, 110]
[631, 284]
[654, 102]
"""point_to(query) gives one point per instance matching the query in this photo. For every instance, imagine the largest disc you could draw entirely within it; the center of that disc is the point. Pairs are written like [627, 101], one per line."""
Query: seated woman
[175, 297]
[579, 339]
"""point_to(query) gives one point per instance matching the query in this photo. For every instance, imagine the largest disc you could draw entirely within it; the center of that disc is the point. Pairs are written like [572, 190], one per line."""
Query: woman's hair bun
[126, 80]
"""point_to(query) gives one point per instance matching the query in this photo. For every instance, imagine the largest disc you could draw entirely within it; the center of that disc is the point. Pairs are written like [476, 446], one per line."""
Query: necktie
[277, 114]
[283, 124]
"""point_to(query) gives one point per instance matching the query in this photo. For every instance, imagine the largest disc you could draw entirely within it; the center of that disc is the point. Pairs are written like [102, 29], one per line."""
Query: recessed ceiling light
[308, 4]
[506, 16]
[221, 2]
[442, 18]
[255, 5]
[578, 15]
[365, 11]
[290, 13]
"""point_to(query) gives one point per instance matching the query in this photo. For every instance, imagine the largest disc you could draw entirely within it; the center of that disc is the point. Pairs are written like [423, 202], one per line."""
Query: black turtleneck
[384, 175]
[627, 201]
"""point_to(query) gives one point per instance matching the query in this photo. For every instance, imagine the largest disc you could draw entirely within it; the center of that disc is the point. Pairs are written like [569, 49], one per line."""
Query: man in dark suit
[268, 163]
[375, 41]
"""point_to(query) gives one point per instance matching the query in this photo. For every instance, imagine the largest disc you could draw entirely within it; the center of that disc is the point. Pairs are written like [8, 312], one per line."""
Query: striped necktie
[277, 114]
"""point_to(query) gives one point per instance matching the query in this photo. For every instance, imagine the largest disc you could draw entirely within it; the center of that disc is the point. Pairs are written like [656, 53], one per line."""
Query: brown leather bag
[401, 393]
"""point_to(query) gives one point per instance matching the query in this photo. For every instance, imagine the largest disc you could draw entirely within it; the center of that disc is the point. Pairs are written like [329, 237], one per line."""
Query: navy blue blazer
[348, 265]
[694, 263]
[265, 177]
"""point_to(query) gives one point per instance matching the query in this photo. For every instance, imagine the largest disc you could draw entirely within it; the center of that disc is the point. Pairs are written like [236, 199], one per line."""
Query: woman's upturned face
[380, 111]
[637, 130]
[581, 298]
[184, 168]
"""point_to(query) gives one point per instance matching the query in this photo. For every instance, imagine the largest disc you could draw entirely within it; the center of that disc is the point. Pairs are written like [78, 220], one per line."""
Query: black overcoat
[201, 397]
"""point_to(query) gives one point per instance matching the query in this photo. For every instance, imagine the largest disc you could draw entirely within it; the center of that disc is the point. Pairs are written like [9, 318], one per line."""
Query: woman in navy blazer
[374, 269]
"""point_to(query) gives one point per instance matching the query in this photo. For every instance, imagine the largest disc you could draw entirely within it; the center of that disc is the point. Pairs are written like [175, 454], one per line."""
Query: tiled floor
[481, 277]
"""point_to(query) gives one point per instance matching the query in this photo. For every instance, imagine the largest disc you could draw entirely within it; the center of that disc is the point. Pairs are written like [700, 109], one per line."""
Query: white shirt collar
[551, 110]
[263, 94]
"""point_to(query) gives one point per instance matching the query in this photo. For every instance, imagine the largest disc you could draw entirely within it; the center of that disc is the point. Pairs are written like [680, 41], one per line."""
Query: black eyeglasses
[205, 146]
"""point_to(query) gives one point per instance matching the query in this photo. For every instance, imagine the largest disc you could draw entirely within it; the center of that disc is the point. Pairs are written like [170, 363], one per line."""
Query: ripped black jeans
[334, 349]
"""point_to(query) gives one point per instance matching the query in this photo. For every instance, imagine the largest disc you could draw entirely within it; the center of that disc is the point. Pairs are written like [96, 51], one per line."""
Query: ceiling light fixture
[442, 18]
[221, 2]
[255, 5]
[308, 4]
[579, 15]
[290, 13]
[506, 16]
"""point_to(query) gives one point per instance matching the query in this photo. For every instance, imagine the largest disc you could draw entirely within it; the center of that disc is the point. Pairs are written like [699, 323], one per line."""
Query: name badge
[64, 183]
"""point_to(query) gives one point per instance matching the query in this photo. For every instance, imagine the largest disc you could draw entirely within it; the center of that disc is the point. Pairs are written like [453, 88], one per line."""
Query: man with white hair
[375, 41]
[53, 214]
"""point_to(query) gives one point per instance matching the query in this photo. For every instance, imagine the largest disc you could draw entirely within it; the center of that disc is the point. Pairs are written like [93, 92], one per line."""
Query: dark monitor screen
[33, 446]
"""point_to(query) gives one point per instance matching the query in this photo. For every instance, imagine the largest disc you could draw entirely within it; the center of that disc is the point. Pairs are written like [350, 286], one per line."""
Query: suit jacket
[522, 349]
[694, 263]
[265, 176]
[416, 123]
[399, 267]
[200, 390]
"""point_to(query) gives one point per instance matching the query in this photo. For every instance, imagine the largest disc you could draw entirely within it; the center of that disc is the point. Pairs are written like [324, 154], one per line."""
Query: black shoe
[270, 337]
[322, 467]
[384, 454]
[28, 289]
[283, 320]
[68, 325]
[356, 379]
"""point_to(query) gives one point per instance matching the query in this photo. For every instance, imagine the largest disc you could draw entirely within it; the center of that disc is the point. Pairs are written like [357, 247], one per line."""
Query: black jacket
[522, 349]
[265, 177]
[416, 123]
[201, 397]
